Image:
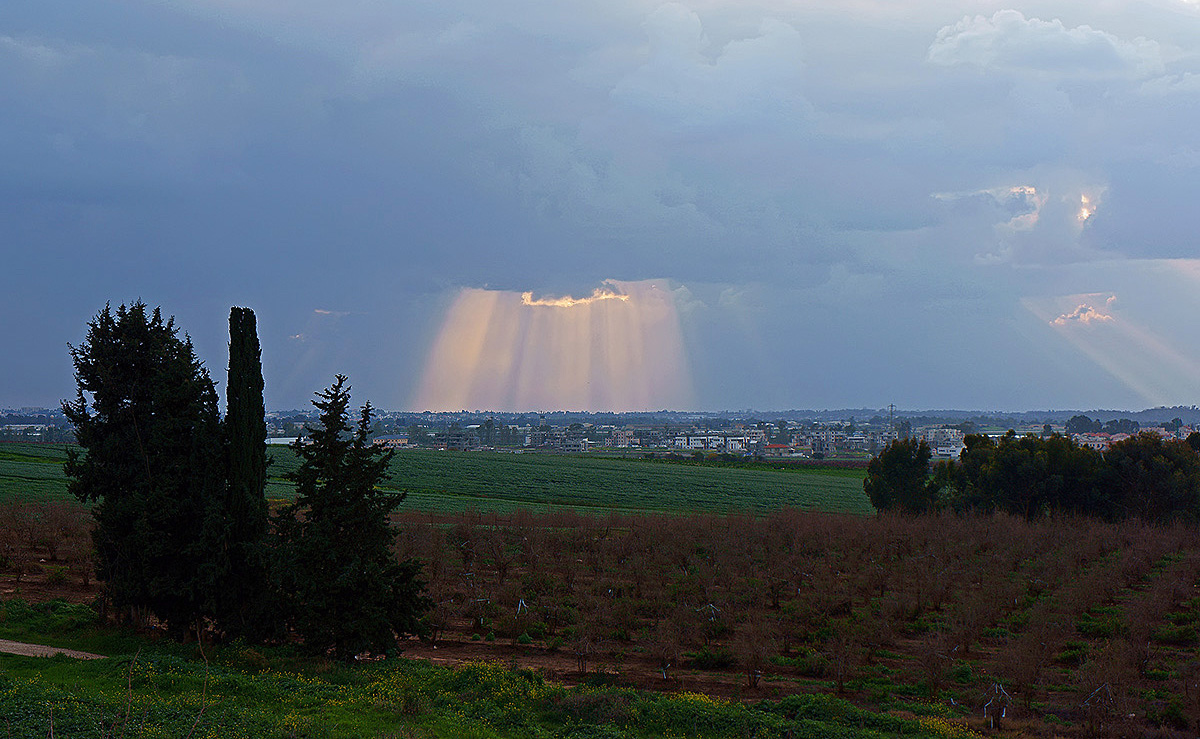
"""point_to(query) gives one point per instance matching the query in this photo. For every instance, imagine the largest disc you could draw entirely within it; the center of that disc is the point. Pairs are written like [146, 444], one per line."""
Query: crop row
[1066, 621]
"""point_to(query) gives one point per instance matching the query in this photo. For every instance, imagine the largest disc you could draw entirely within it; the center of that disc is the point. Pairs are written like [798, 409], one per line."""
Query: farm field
[1060, 627]
[503, 482]
[32, 471]
[1070, 627]
[494, 481]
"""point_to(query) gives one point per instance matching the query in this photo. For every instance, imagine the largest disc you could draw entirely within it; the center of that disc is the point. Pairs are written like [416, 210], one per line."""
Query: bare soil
[40, 650]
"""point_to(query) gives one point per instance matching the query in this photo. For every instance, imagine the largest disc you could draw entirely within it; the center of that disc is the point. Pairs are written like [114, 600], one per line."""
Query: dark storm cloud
[803, 173]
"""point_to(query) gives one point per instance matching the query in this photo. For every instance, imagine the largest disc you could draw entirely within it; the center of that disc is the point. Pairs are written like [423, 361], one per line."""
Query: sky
[615, 204]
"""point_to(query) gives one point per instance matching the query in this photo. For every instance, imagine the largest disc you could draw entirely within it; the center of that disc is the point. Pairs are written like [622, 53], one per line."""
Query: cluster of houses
[1102, 441]
[791, 439]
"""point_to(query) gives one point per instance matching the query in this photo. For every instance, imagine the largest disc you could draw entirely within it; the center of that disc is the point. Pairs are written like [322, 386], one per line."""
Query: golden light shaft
[620, 349]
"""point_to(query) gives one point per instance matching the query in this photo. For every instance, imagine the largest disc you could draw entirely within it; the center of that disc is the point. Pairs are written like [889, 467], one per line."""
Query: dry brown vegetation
[1053, 627]
[46, 550]
[1059, 626]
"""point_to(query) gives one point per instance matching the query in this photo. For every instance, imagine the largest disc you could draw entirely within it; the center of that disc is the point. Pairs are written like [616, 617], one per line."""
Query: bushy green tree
[897, 478]
[1028, 476]
[1083, 425]
[1157, 479]
[146, 415]
[348, 593]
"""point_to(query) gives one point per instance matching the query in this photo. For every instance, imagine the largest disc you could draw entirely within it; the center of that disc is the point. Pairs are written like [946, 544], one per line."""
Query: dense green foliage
[896, 478]
[243, 607]
[1084, 425]
[453, 481]
[146, 414]
[346, 591]
[1143, 476]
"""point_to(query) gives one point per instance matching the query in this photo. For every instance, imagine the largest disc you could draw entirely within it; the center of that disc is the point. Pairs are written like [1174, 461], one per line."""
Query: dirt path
[38, 650]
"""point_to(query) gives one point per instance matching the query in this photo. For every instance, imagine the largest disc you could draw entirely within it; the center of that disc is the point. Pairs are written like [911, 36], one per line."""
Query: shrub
[708, 659]
[1073, 653]
[589, 706]
[1183, 636]
[1100, 623]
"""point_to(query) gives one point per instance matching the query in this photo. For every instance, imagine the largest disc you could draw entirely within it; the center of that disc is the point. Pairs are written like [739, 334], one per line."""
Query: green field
[32, 471]
[487, 481]
[451, 481]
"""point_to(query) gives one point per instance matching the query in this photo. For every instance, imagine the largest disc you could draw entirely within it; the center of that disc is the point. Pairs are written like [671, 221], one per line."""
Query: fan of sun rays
[618, 349]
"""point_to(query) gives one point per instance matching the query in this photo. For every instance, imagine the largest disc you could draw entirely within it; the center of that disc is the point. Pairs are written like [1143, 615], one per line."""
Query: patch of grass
[492, 481]
[1073, 653]
[453, 481]
[1184, 635]
[1101, 622]
[32, 471]
[152, 694]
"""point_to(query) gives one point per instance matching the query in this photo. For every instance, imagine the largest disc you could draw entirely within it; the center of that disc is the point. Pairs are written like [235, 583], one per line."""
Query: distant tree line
[1084, 425]
[1143, 476]
[183, 532]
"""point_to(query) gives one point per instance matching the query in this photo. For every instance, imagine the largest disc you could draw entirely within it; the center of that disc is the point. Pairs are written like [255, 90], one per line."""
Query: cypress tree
[244, 596]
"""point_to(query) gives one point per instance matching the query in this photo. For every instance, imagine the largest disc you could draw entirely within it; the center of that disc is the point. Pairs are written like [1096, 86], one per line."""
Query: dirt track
[38, 650]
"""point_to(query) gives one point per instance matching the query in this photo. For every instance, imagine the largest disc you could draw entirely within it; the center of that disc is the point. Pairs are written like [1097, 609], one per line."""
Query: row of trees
[1050, 609]
[1143, 476]
[1084, 425]
[183, 530]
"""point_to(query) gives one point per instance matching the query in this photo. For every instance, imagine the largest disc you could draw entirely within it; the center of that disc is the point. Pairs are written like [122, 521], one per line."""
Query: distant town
[798, 434]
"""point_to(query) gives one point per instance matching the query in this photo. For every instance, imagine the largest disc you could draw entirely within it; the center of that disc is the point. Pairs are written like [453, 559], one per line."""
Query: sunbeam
[619, 349]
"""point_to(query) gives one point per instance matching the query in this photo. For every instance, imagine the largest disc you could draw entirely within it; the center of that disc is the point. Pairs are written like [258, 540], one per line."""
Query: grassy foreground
[163, 690]
[494, 481]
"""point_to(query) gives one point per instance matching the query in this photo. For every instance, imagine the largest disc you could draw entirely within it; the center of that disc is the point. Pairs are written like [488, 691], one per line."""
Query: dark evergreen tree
[244, 604]
[348, 593]
[1193, 440]
[897, 478]
[153, 465]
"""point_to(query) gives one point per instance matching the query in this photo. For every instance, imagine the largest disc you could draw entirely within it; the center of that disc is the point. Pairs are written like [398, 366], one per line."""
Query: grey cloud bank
[851, 203]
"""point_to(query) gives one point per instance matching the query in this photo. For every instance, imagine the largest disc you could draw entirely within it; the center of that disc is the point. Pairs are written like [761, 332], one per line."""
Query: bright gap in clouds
[1135, 354]
[619, 349]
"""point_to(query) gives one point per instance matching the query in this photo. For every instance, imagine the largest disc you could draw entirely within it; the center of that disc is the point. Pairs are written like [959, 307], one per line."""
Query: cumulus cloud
[1185, 83]
[1086, 314]
[1023, 202]
[1009, 40]
[756, 78]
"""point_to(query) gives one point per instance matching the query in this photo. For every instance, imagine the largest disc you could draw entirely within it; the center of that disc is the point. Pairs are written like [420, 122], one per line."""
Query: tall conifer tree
[146, 414]
[243, 599]
[348, 593]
